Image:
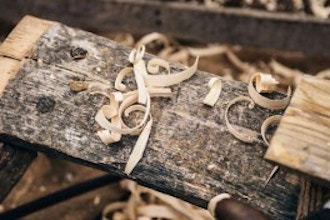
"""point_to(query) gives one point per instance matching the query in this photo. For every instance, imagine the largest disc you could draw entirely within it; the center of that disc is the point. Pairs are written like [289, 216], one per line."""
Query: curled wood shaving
[215, 200]
[156, 211]
[212, 97]
[265, 83]
[155, 64]
[156, 206]
[181, 56]
[211, 50]
[147, 39]
[324, 74]
[266, 102]
[139, 148]
[248, 137]
[140, 71]
[120, 77]
[110, 117]
[171, 79]
[290, 75]
[239, 64]
[109, 112]
[319, 9]
[275, 119]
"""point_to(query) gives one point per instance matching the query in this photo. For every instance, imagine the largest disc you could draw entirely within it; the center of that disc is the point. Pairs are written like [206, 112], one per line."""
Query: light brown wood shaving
[290, 76]
[319, 9]
[110, 117]
[247, 137]
[149, 38]
[212, 97]
[264, 101]
[275, 119]
[265, 83]
[324, 74]
[158, 205]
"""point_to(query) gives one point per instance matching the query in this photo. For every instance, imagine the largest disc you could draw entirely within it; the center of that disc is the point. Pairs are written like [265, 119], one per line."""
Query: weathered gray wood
[190, 153]
[13, 164]
[284, 31]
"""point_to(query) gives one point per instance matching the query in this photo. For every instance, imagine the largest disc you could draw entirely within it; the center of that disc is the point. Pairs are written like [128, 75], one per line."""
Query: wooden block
[20, 41]
[302, 140]
[190, 153]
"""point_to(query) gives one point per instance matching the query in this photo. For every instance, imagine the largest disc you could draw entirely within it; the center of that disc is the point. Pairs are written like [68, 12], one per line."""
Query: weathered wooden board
[283, 31]
[302, 141]
[13, 164]
[14, 161]
[190, 153]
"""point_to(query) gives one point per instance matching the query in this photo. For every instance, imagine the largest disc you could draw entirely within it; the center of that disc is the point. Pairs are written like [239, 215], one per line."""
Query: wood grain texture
[20, 41]
[249, 27]
[14, 161]
[190, 153]
[13, 164]
[302, 140]
[312, 197]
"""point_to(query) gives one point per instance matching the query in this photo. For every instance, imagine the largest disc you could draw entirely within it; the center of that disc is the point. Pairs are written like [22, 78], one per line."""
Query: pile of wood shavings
[150, 83]
[147, 204]
[162, 46]
[172, 50]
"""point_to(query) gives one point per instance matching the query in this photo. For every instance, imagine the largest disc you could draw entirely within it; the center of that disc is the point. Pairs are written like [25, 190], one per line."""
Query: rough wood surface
[302, 140]
[283, 31]
[190, 153]
[13, 163]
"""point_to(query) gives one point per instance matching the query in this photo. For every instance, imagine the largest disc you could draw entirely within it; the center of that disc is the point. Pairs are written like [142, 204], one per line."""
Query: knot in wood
[78, 53]
[45, 104]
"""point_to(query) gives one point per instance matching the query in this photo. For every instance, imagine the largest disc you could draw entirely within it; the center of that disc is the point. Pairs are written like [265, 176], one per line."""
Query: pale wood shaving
[248, 137]
[212, 97]
[158, 205]
[266, 102]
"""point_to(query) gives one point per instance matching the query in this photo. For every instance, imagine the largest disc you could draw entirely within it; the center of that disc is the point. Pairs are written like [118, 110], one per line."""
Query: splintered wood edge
[20, 41]
[302, 140]
[18, 45]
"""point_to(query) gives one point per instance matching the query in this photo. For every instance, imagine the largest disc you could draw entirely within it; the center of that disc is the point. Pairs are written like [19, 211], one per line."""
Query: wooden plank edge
[20, 41]
[19, 45]
[277, 152]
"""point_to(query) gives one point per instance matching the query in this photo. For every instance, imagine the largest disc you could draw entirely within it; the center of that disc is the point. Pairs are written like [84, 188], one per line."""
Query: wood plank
[312, 197]
[14, 161]
[13, 164]
[302, 140]
[257, 28]
[20, 41]
[190, 153]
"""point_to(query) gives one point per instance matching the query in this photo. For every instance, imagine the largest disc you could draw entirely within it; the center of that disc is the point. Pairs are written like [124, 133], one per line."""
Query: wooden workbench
[190, 153]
